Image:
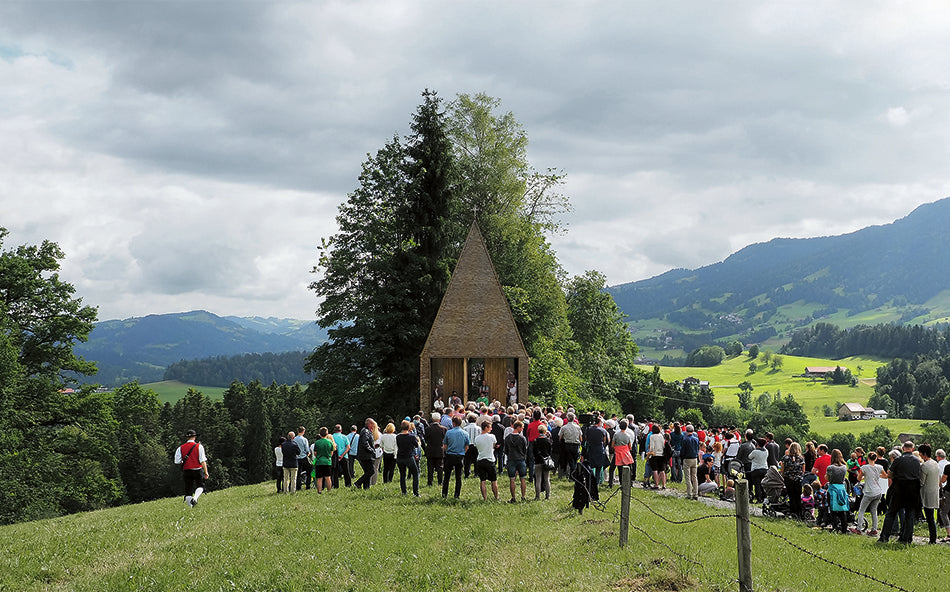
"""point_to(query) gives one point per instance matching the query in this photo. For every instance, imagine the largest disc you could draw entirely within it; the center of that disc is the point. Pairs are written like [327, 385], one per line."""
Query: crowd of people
[531, 444]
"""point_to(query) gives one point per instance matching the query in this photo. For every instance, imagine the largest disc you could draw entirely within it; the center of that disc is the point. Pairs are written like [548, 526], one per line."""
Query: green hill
[812, 394]
[252, 539]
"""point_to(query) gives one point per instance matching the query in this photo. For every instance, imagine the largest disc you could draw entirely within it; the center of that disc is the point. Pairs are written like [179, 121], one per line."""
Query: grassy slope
[170, 391]
[249, 538]
[812, 394]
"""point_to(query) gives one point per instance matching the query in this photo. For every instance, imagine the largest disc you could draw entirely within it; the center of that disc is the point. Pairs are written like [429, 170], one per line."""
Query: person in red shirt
[821, 464]
[194, 467]
[531, 432]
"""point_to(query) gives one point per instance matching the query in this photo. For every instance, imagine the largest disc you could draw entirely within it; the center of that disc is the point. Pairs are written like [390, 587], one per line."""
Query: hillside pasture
[169, 391]
[812, 393]
[251, 538]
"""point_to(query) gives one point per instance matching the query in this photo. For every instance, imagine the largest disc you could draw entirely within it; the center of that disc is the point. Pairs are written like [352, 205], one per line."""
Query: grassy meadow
[169, 391]
[812, 394]
[251, 538]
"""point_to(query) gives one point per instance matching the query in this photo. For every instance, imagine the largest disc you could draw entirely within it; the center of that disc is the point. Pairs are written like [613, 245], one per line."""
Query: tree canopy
[382, 276]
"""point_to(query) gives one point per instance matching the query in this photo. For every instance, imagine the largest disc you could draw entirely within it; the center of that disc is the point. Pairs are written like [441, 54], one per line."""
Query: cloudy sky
[190, 155]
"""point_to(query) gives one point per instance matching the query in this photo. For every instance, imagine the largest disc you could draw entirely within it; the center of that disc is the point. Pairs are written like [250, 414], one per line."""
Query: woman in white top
[387, 441]
[870, 475]
[655, 445]
[378, 449]
[279, 464]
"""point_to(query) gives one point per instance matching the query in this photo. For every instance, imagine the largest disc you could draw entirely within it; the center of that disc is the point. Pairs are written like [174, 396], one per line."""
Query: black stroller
[776, 497]
[732, 470]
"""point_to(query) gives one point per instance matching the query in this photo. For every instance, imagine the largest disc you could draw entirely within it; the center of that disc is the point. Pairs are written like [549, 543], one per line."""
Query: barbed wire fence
[746, 520]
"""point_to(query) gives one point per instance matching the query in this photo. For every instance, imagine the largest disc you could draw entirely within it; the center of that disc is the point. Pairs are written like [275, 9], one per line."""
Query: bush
[879, 436]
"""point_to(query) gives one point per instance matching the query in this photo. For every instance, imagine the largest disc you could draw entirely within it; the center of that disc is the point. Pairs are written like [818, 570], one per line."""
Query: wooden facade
[474, 337]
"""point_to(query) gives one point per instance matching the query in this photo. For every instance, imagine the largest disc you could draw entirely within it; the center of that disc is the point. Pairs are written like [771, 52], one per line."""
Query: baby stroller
[776, 497]
[732, 470]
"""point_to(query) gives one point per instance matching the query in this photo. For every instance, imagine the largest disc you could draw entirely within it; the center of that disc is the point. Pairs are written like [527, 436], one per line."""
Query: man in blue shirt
[455, 444]
[689, 454]
[341, 465]
[303, 459]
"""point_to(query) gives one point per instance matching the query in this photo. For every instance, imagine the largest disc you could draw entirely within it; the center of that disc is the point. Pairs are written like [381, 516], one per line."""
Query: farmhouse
[854, 411]
[820, 371]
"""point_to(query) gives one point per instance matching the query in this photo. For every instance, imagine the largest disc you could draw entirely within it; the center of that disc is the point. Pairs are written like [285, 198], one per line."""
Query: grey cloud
[686, 130]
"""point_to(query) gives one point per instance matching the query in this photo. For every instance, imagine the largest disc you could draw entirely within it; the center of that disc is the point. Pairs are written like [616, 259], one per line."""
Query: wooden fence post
[743, 535]
[625, 480]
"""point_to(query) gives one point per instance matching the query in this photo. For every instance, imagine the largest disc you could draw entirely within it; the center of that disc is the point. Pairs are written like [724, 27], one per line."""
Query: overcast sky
[190, 155]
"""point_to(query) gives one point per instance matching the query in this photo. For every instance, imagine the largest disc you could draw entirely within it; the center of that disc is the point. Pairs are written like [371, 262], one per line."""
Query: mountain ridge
[902, 264]
[141, 348]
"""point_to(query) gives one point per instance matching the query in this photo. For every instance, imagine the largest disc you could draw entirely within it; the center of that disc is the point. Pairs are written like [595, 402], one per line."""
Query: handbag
[549, 462]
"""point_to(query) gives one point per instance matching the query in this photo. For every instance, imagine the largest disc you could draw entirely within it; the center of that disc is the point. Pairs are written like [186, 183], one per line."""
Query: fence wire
[602, 507]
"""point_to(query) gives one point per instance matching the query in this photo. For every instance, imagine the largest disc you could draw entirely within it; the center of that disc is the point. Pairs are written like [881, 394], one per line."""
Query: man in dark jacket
[744, 449]
[434, 435]
[289, 450]
[498, 431]
[366, 454]
[903, 495]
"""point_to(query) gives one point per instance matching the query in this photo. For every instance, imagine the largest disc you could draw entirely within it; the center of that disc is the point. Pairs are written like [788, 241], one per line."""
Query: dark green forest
[221, 371]
[884, 341]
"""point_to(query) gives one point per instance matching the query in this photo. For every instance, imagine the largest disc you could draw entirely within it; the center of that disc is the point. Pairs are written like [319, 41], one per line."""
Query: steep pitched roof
[474, 319]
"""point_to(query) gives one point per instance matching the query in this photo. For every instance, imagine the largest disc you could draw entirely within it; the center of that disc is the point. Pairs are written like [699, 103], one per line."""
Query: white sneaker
[189, 500]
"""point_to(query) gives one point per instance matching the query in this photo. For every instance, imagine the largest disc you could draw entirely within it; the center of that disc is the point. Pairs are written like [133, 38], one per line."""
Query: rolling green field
[170, 391]
[253, 539]
[812, 394]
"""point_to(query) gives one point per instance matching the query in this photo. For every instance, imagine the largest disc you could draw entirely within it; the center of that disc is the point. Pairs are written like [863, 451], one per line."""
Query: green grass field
[170, 391]
[252, 539]
[812, 394]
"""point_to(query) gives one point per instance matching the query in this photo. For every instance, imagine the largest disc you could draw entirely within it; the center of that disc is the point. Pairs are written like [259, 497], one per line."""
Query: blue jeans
[677, 474]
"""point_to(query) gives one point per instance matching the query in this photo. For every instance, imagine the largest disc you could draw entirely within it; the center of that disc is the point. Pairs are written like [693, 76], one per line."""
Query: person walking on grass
[485, 443]
[194, 467]
[516, 452]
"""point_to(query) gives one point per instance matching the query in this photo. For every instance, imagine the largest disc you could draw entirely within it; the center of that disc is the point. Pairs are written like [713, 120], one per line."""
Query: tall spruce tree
[384, 273]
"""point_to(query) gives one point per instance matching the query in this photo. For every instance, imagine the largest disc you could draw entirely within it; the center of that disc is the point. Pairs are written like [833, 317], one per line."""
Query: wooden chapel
[473, 346]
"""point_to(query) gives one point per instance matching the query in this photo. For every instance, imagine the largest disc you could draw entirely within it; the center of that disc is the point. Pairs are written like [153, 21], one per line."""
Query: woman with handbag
[542, 463]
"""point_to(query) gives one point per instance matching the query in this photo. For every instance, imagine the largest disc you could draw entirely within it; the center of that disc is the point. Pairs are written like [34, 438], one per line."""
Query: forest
[221, 371]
